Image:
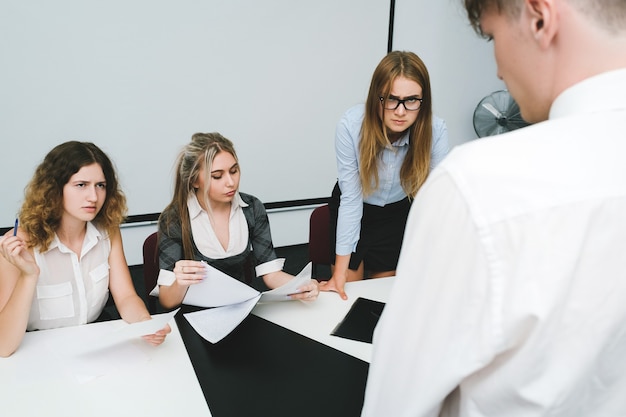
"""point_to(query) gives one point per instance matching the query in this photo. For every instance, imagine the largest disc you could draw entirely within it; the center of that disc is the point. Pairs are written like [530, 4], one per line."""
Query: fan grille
[497, 113]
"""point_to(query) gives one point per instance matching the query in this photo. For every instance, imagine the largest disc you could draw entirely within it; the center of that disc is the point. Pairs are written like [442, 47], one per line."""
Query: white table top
[317, 319]
[41, 380]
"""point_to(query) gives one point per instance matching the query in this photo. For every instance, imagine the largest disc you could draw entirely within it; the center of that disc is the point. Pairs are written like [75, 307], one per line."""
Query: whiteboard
[139, 77]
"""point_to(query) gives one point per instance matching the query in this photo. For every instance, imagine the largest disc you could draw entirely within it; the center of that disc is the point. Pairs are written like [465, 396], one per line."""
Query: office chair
[150, 269]
[319, 238]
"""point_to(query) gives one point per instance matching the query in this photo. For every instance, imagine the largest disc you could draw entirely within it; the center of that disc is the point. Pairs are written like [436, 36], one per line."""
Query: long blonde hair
[374, 137]
[198, 153]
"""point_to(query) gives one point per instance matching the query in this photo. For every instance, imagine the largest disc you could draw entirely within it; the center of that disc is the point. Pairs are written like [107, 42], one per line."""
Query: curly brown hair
[41, 212]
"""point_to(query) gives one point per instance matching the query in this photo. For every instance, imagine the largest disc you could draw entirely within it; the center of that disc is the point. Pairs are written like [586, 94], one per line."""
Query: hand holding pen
[14, 250]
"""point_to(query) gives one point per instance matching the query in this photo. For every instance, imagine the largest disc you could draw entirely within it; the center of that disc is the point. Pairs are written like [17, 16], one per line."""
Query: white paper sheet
[218, 289]
[290, 287]
[123, 332]
[216, 323]
[142, 328]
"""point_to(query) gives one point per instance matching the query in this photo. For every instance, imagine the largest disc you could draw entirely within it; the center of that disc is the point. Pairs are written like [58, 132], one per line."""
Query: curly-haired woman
[58, 267]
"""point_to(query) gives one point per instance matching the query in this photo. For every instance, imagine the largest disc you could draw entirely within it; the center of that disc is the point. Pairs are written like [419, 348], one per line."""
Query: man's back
[510, 295]
[554, 230]
[518, 296]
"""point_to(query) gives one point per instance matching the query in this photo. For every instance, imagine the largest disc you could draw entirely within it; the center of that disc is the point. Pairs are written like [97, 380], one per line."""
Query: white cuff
[269, 267]
[166, 278]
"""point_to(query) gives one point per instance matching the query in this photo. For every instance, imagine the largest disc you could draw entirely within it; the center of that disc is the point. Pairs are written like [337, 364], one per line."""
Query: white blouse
[204, 236]
[209, 245]
[71, 291]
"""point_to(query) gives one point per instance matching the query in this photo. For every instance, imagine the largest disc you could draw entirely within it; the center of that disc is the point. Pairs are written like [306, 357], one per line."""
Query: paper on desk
[290, 287]
[216, 323]
[124, 332]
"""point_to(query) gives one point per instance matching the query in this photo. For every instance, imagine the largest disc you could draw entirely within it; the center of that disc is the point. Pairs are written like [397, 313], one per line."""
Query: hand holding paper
[233, 300]
[126, 332]
[146, 327]
[218, 289]
[284, 292]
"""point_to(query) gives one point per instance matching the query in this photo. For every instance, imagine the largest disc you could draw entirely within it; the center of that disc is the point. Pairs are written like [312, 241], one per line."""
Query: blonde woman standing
[385, 150]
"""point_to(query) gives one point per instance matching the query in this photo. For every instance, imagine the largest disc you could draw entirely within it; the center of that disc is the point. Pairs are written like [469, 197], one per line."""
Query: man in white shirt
[510, 295]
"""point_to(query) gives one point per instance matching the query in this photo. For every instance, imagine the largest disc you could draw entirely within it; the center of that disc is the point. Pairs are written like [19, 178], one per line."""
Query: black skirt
[382, 232]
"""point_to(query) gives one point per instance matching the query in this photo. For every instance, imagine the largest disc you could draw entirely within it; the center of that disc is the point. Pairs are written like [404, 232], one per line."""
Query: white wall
[139, 77]
[140, 82]
[461, 64]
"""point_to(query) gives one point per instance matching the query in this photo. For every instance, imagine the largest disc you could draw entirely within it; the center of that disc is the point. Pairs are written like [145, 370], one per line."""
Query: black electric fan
[497, 113]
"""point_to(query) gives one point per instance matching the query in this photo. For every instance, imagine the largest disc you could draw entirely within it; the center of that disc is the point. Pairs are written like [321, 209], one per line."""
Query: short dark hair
[475, 9]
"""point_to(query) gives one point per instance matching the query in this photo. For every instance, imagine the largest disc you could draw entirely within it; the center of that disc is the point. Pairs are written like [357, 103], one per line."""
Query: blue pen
[15, 228]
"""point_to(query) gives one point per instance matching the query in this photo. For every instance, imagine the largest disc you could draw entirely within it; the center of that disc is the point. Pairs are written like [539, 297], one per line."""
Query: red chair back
[150, 269]
[319, 237]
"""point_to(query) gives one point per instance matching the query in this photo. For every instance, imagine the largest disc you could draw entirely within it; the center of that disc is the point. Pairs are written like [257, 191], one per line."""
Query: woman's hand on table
[334, 285]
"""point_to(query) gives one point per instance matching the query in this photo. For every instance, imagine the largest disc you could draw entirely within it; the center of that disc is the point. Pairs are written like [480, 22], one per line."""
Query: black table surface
[264, 370]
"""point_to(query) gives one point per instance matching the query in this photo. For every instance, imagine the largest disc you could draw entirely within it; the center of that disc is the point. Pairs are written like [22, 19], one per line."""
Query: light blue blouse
[347, 138]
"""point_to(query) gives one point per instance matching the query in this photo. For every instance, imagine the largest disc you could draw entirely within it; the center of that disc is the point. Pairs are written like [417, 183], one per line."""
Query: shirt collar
[195, 209]
[403, 141]
[597, 93]
[92, 235]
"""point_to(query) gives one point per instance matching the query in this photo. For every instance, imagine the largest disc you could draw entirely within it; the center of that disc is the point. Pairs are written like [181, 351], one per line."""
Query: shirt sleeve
[441, 146]
[437, 326]
[269, 267]
[351, 206]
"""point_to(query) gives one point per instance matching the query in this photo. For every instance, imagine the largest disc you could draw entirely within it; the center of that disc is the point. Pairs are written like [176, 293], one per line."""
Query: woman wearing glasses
[385, 150]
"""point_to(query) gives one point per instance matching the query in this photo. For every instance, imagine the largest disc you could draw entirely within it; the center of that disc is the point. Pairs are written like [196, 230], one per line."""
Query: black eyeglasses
[410, 104]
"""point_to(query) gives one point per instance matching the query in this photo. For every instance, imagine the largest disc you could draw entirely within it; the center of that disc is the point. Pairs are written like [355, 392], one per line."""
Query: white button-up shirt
[510, 295]
[71, 291]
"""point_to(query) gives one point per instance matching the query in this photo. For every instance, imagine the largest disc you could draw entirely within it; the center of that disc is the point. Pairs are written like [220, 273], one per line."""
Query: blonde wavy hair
[41, 212]
[374, 137]
[198, 153]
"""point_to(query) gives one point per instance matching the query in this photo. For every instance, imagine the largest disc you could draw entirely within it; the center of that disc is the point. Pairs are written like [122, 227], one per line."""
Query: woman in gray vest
[209, 220]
